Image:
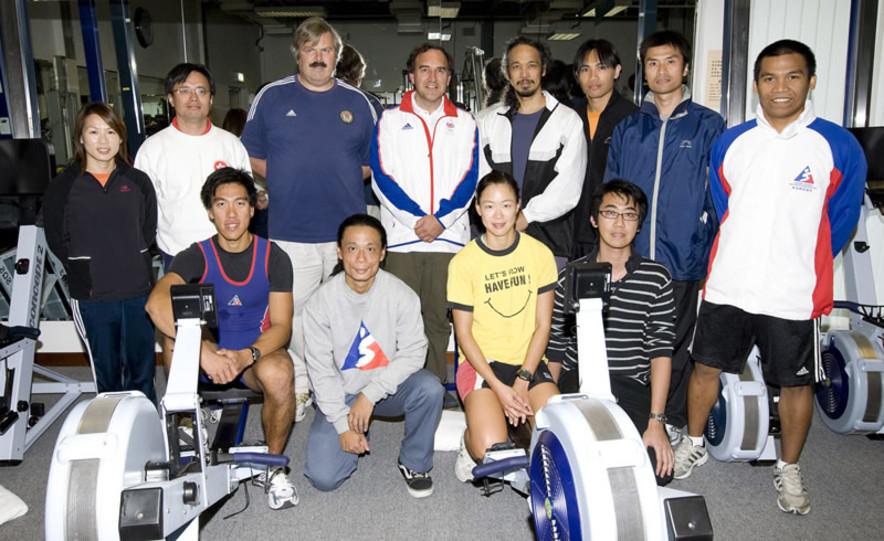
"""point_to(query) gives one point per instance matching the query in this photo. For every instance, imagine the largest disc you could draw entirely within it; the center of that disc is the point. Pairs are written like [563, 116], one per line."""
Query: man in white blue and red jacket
[424, 165]
[788, 187]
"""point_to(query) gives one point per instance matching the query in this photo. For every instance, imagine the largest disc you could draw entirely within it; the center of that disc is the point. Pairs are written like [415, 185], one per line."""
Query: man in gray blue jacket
[664, 149]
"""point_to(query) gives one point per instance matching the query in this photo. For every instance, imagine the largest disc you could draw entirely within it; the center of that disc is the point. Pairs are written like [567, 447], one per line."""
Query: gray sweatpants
[419, 399]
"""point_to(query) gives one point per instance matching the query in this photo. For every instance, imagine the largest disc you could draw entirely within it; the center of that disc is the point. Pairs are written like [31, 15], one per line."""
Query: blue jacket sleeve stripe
[466, 187]
[386, 184]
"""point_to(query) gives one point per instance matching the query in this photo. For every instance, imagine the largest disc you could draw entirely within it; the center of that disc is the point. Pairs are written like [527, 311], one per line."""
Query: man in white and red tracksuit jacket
[424, 167]
[788, 188]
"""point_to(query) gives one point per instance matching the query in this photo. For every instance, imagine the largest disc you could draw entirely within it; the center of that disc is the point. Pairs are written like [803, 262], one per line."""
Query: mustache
[318, 64]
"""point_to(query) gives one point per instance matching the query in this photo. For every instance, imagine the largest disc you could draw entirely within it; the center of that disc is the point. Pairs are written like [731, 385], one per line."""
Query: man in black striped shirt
[639, 321]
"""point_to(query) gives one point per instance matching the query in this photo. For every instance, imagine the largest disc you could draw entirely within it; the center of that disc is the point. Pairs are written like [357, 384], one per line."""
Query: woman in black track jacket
[100, 218]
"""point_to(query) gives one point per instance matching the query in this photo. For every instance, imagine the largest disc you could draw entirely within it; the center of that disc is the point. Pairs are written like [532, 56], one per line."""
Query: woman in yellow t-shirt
[500, 290]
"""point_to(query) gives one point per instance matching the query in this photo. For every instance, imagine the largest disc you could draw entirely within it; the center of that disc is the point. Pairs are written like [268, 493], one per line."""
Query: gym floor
[842, 473]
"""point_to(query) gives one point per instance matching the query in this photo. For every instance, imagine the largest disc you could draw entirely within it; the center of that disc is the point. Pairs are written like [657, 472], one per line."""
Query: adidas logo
[291, 113]
[802, 372]
[235, 301]
[407, 126]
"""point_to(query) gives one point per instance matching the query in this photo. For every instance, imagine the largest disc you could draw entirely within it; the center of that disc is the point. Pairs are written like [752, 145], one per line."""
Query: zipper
[656, 193]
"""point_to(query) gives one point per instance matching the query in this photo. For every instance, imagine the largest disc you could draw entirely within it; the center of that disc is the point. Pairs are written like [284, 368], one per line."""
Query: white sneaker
[792, 496]
[463, 466]
[302, 402]
[281, 493]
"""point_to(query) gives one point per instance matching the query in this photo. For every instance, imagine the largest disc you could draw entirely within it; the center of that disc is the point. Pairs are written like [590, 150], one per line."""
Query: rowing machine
[587, 473]
[118, 470]
[850, 399]
[739, 427]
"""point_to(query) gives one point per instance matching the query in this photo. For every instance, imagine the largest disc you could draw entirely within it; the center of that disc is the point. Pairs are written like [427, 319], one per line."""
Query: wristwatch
[525, 375]
[659, 417]
[256, 354]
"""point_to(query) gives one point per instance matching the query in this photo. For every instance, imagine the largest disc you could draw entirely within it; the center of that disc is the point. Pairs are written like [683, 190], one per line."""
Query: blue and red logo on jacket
[804, 181]
[365, 353]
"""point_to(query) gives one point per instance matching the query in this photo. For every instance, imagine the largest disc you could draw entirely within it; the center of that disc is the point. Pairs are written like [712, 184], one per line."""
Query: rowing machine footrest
[265, 459]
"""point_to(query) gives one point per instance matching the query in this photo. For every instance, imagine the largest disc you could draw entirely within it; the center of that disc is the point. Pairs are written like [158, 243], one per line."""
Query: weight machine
[26, 167]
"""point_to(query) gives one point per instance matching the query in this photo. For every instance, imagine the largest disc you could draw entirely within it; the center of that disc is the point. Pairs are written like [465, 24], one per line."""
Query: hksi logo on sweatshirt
[804, 181]
[365, 353]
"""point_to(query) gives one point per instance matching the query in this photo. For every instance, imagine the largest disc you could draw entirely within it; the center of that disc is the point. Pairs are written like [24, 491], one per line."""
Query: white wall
[875, 223]
[708, 43]
[876, 117]
[824, 26]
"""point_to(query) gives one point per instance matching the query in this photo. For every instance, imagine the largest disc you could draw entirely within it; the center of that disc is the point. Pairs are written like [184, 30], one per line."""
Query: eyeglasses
[628, 216]
[187, 91]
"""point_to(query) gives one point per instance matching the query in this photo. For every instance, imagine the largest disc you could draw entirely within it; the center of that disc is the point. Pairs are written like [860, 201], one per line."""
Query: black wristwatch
[525, 375]
[659, 417]
[256, 354]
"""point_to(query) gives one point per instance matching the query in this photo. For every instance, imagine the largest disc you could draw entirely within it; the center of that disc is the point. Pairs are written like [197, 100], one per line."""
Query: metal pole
[18, 67]
[183, 31]
[647, 23]
[860, 62]
[735, 60]
[92, 50]
[131, 95]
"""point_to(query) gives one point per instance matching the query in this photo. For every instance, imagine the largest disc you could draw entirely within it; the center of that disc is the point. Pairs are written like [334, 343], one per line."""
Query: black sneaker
[420, 485]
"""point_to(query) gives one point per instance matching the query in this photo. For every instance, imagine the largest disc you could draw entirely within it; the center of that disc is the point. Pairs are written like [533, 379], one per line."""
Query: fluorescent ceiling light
[438, 36]
[608, 8]
[563, 36]
[444, 10]
[295, 12]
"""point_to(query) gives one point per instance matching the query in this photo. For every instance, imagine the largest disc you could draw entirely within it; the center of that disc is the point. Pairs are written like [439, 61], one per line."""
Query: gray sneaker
[688, 455]
[463, 466]
[792, 496]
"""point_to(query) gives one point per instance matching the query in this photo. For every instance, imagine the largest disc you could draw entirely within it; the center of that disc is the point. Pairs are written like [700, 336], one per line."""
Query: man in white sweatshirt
[365, 354]
[180, 157]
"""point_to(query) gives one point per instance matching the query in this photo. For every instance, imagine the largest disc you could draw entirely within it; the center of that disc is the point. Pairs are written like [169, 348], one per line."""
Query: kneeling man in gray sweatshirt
[365, 347]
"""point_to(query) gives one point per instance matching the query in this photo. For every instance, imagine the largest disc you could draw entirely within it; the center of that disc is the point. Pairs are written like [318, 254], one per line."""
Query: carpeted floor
[844, 475]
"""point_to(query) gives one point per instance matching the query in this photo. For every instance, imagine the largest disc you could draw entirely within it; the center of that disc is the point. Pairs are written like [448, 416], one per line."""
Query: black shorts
[724, 336]
[468, 380]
